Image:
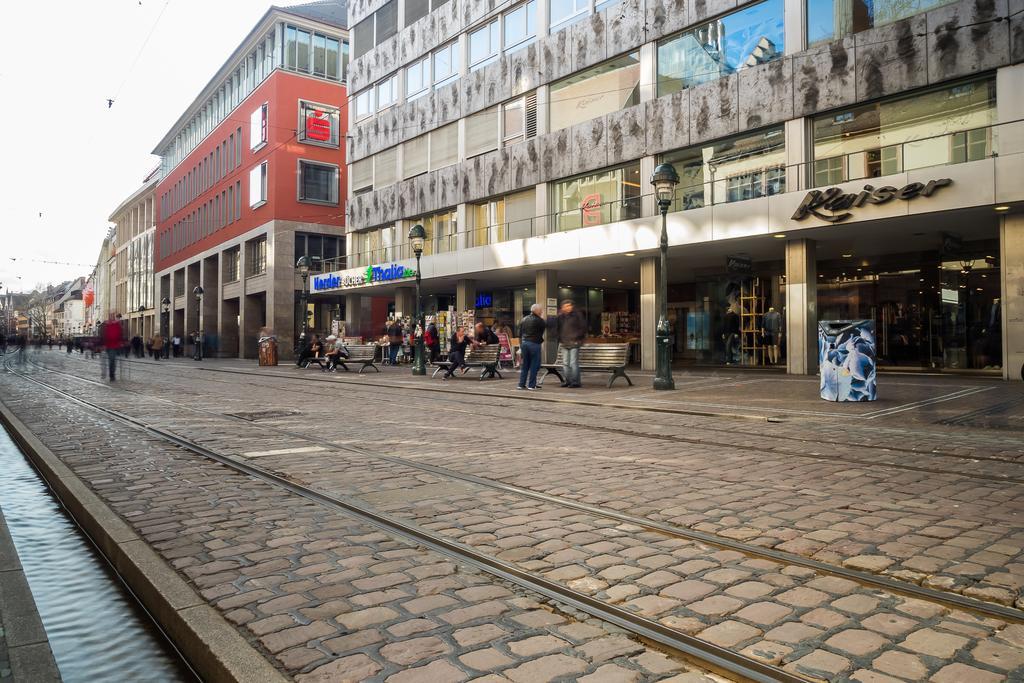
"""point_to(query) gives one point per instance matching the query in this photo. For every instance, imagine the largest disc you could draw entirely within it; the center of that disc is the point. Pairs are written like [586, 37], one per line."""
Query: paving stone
[889, 624]
[479, 611]
[802, 597]
[856, 604]
[824, 618]
[651, 605]
[408, 628]
[935, 643]
[689, 590]
[487, 659]
[819, 664]
[474, 635]
[289, 637]
[764, 613]
[610, 647]
[716, 605]
[353, 641]
[997, 656]
[367, 617]
[538, 619]
[901, 664]
[750, 590]
[656, 663]
[962, 673]
[428, 603]
[611, 673]
[792, 632]
[546, 669]
[857, 642]
[355, 668]
[767, 651]
[537, 645]
[729, 633]
[867, 676]
[869, 563]
[406, 652]
[438, 671]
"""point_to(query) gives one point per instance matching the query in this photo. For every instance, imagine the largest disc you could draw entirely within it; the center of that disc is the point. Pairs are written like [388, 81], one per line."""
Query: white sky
[66, 155]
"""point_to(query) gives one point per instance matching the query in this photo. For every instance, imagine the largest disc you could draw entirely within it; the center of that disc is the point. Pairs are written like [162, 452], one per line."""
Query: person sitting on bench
[484, 335]
[457, 351]
[335, 351]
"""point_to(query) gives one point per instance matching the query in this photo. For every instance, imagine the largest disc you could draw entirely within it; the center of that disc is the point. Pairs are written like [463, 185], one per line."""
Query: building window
[520, 25]
[318, 182]
[484, 44]
[414, 157]
[741, 167]
[387, 21]
[598, 198]
[415, 10]
[831, 19]
[230, 204]
[362, 37]
[519, 119]
[231, 259]
[387, 93]
[444, 146]
[566, 11]
[951, 124]
[385, 168]
[258, 127]
[258, 186]
[446, 64]
[362, 175]
[594, 92]
[318, 124]
[482, 132]
[317, 247]
[504, 218]
[417, 78]
[364, 103]
[238, 199]
[256, 256]
[747, 37]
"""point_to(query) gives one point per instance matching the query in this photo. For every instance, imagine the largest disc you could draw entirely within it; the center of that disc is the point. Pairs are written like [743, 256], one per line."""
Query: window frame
[334, 115]
[259, 127]
[334, 191]
[493, 30]
[392, 83]
[530, 12]
[455, 57]
[368, 93]
[263, 169]
[569, 18]
[423, 65]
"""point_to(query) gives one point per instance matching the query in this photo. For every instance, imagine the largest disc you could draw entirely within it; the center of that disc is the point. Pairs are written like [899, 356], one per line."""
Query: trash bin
[268, 351]
[847, 360]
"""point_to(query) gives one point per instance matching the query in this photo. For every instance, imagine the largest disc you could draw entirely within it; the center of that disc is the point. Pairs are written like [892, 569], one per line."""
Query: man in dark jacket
[484, 335]
[531, 335]
[572, 330]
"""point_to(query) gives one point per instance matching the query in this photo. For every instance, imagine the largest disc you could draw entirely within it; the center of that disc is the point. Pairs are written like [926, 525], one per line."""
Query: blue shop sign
[484, 300]
[372, 274]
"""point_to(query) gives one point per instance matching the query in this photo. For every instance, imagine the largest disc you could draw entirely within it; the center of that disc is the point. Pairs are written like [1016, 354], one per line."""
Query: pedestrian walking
[176, 346]
[432, 340]
[113, 341]
[394, 332]
[531, 335]
[197, 345]
[571, 330]
[156, 346]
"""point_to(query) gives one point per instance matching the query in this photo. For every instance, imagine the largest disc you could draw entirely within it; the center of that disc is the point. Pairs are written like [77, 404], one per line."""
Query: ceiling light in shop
[629, 253]
[847, 255]
[604, 279]
[636, 282]
[620, 280]
[1002, 207]
[979, 289]
[779, 235]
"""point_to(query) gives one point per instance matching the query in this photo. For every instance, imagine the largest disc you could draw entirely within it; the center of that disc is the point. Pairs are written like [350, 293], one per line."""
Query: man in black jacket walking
[531, 335]
[572, 330]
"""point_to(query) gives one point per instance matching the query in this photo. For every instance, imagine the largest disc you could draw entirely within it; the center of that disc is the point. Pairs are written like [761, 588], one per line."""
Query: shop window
[444, 146]
[258, 186]
[258, 127]
[446, 64]
[737, 168]
[747, 37]
[417, 78]
[598, 198]
[484, 44]
[832, 19]
[385, 168]
[318, 182]
[318, 124]
[414, 157]
[951, 124]
[482, 132]
[564, 12]
[599, 90]
[256, 256]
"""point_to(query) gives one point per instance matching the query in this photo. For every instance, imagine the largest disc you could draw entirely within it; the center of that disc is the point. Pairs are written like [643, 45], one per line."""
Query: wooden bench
[485, 357]
[362, 354]
[594, 358]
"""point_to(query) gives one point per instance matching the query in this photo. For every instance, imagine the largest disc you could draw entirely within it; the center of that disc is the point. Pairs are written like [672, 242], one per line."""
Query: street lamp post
[165, 305]
[664, 180]
[417, 236]
[197, 344]
[302, 265]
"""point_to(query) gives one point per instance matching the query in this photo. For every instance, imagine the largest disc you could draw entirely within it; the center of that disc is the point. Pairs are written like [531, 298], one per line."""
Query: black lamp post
[197, 343]
[165, 317]
[417, 236]
[302, 265]
[664, 180]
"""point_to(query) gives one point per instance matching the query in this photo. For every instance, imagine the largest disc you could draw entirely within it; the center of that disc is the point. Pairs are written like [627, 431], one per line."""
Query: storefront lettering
[834, 200]
[372, 274]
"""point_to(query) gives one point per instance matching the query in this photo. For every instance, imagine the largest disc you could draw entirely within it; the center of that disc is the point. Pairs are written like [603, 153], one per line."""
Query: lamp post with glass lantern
[197, 343]
[417, 236]
[165, 315]
[302, 265]
[664, 180]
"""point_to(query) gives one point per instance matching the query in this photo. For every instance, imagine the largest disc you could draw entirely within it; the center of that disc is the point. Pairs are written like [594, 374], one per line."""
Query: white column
[1011, 261]
[465, 295]
[462, 240]
[1009, 105]
[649, 203]
[542, 223]
[796, 154]
[543, 117]
[546, 282]
[801, 308]
[648, 310]
[648, 71]
[353, 315]
[404, 303]
[795, 25]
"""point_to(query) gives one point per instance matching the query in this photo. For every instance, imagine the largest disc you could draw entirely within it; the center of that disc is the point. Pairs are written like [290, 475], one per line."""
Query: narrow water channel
[96, 629]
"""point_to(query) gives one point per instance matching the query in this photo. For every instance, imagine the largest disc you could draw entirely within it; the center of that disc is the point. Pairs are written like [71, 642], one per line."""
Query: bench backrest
[361, 351]
[483, 354]
[600, 355]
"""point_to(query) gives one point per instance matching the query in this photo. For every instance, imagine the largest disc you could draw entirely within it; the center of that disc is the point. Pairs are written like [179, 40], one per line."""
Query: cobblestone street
[866, 542]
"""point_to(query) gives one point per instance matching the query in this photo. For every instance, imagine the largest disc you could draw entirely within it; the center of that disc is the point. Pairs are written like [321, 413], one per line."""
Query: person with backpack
[113, 340]
[432, 340]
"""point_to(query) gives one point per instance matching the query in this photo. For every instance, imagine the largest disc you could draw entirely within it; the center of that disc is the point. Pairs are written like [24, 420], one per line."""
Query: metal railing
[960, 146]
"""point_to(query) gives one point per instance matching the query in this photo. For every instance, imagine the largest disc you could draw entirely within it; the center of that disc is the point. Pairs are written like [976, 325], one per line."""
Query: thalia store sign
[357, 278]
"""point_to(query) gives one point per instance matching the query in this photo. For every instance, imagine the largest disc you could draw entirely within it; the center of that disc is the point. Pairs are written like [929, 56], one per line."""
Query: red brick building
[252, 178]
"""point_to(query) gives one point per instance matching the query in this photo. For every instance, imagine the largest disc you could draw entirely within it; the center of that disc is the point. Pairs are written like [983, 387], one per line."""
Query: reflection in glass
[833, 19]
[594, 92]
[748, 37]
[598, 198]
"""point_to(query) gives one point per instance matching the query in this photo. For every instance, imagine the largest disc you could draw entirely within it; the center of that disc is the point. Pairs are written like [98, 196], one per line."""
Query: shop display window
[746, 37]
[951, 124]
[598, 198]
[832, 19]
[599, 90]
[737, 168]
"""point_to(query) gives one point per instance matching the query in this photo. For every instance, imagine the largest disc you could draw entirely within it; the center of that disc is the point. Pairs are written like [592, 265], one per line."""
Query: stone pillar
[192, 278]
[282, 294]
[465, 295]
[541, 214]
[547, 293]
[801, 308]
[797, 176]
[648, 310]
[404, 304]
[1011, 261]
[353, 315]
[1009, 105]
[209, 320]
[649, 202]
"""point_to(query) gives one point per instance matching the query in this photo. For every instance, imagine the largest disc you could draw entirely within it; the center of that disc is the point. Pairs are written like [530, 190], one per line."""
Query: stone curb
[212, 646]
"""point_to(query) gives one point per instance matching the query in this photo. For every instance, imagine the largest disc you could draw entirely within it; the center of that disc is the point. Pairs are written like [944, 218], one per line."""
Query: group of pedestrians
[570, 330]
